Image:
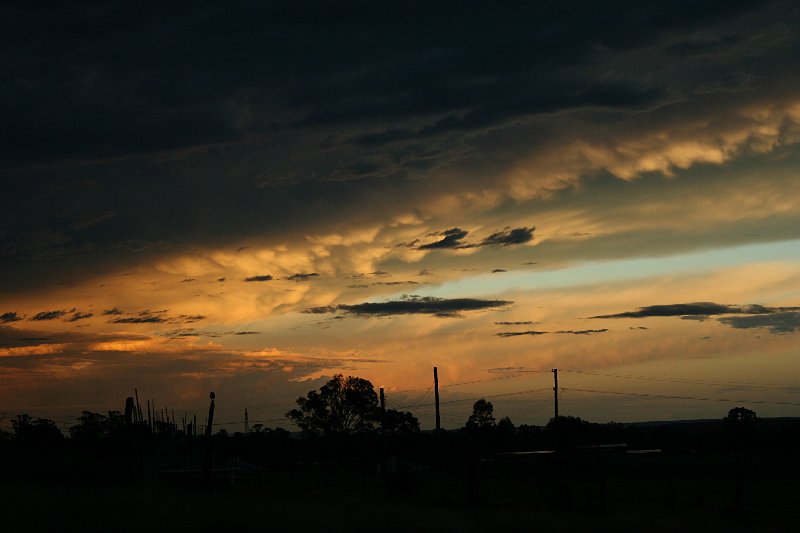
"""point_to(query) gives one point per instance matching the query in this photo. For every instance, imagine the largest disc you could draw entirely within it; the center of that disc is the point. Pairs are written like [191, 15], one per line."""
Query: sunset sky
[250, 197]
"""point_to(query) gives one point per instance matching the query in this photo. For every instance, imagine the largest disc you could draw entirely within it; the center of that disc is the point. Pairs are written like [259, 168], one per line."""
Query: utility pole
[436, 395]
[138, 412]
[383, 410]
[129, 411]
[209, 458]
[383, 430]
[555, 407]
[246, 422]
[555, 391]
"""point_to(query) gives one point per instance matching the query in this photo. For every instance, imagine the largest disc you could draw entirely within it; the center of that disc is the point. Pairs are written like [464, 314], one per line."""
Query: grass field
[654, 495]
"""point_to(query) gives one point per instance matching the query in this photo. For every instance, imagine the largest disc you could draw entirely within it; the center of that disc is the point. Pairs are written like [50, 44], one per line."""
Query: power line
[516, 374]
[681, 380]
[485, 380]
[669, 397]
[493, 396]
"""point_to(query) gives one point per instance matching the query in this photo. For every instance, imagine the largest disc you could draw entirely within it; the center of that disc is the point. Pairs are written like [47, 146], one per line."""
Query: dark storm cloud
[582, 331]
[188, 319]
[303, 276]
[158, 317]
[498, 270]
[49, 315]
[697, 309]
[320, 310]
[563, 332]
[10, 317]
[781, 322]
[442, 307]
[519, 333]
[149, 319]
[452, 238]
[14, 338]
[509, 236]
[191, 332]
[79, 316]
[313, 103]
[266, 277]
[113, 311]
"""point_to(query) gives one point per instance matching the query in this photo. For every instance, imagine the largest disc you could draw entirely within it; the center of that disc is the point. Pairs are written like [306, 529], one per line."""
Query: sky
[250, 197]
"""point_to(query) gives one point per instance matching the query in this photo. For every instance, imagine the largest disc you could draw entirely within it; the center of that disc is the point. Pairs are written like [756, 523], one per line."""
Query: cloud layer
[442, 307]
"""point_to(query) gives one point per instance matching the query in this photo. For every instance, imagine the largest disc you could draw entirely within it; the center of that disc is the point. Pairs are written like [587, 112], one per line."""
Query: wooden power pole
[383, 410]
[383, 430]
[555, 408]
[555, 392]
[436, 395]
[209, 458]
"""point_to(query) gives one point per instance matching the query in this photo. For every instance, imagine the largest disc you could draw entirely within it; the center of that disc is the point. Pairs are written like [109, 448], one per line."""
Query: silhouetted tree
[400, 423]
[505, 426]
[482, 415]
[570, 430]
[30, 432]
[93, 427]
[740, 424]
[90, 427]
[342, 406]
[740, 419]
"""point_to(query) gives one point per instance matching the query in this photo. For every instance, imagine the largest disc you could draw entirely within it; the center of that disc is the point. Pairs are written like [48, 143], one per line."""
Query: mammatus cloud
[303, 276]
[781, 322]
[48, 315]
[442, 307]
[12, 316]
[697, 309]
[266, 277]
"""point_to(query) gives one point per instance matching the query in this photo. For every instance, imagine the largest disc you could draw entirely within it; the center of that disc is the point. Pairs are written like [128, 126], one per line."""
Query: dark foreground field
[587, 492]
[141, 509]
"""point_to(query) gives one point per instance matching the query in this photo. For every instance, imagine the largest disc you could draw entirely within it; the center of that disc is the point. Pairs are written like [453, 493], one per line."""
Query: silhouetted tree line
[343, 421]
